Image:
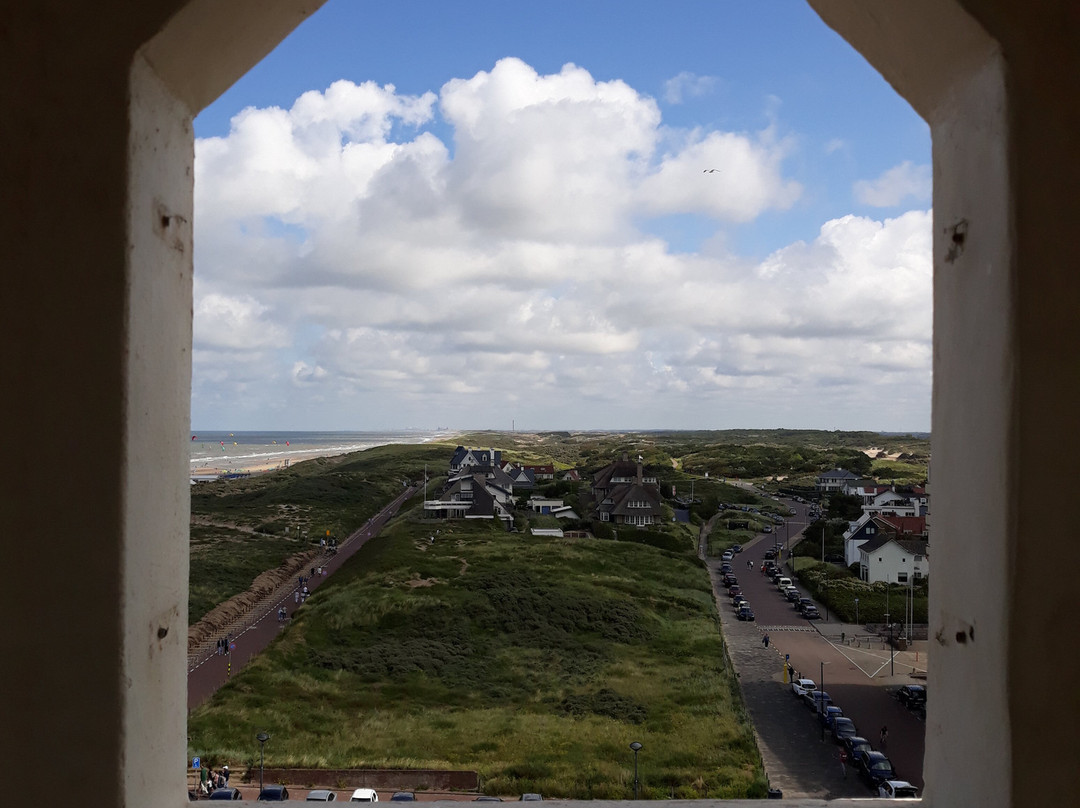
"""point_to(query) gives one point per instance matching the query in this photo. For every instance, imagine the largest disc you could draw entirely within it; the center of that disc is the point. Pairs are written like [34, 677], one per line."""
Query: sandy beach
[214, 454]
[213, 467]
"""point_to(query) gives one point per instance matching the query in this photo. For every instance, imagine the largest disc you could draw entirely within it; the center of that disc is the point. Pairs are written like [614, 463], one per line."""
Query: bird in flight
[712, 170]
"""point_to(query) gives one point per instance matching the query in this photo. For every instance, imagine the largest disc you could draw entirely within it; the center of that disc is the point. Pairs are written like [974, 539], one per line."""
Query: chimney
[639, 471]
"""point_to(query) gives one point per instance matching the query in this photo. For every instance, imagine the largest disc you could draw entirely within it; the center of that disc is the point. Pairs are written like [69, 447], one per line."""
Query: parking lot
[859, 674]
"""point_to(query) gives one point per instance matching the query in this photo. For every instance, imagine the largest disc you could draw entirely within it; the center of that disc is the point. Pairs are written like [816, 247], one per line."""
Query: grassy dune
[241, 528]
[534, 661]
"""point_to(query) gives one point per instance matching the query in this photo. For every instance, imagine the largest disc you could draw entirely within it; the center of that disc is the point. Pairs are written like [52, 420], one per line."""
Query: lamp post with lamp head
[637, 783]
[262, 738]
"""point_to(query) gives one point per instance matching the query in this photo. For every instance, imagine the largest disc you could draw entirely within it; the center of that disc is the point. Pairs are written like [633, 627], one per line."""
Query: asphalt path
[262, 626]
[800, 759]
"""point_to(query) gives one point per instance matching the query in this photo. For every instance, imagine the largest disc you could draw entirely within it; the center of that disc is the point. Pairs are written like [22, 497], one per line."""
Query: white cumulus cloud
[355, 270]
[688, 85]
[901, 183]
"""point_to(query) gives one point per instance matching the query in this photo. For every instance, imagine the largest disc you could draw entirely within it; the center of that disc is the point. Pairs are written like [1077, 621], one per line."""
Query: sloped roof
[906, 525]
[838, 474]
[633, 492]
[915, 546]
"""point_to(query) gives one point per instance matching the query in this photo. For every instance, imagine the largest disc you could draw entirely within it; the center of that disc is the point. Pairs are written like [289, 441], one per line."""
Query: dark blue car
[874, 768]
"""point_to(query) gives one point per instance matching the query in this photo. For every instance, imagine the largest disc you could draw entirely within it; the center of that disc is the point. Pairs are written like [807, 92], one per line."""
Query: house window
[604, 516]
[901, 577]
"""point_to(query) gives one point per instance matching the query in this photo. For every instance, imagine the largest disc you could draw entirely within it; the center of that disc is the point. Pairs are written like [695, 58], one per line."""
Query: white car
[898, 790]
[364, 795]
[800, 686]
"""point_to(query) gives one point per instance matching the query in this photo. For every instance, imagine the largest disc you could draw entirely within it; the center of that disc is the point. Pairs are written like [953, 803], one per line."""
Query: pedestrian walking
[765, 640]
[296, 596]
[225, 770]
[883, 736]
[843, 762]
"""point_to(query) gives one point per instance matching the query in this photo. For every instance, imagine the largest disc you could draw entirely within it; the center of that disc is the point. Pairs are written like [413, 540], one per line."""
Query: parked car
[855, 746]
[767, 529]
[488, 798]
[529, 798]
[736, 548]
[897, 790]
[830, 712]
[811, 612]
[769, 555]
[912, 696]
[321, 795]
[364, 795]
[226, 794]
[727, 556]
[843, 727]
[801, 686]
[793, 595]
[738, 602]
[803, 603]
[874, 768]
[813, 699]
[745, 613]
[725, 569]
[273, 794]
[734, 590]
[730, 579]
[403, 796]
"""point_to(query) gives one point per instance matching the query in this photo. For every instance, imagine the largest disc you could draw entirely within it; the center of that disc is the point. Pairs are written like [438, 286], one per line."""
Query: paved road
[262, 627]
[796, 758]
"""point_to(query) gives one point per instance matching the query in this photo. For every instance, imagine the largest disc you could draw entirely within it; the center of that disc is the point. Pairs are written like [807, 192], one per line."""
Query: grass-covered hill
[534, 661]
[243, 527]
[796, 454]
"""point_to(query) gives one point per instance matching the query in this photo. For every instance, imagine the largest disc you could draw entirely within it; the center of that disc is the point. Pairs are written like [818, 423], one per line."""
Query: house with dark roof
[624, 495]
[472, 495]
[463, 458]
[889, 558]
[520, 477]
[835, 480]
[868, 527]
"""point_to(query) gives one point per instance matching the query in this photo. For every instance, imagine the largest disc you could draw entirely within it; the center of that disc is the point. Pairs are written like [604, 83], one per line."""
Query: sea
[239, 450]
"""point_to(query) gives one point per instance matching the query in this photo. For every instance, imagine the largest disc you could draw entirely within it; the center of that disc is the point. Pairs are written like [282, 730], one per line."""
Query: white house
[892, 503]
[835, 480]
[893, 560]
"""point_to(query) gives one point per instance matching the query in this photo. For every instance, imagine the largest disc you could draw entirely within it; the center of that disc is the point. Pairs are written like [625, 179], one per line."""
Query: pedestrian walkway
[253, 631]
[796, 759]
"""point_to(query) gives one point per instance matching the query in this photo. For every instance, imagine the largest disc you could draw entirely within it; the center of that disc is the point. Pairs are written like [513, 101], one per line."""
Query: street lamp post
[637, 784]
[856, 611]
[892, 652]
[262, 738]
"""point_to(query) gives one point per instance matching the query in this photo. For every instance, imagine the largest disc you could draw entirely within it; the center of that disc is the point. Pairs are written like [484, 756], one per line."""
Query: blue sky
[466, 231]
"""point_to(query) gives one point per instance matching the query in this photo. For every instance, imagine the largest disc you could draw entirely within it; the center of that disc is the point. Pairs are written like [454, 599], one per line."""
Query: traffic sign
[196, 763]
[232, 646]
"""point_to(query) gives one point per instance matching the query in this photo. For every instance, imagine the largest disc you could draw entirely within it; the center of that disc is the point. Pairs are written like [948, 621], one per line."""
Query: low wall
[383, 779]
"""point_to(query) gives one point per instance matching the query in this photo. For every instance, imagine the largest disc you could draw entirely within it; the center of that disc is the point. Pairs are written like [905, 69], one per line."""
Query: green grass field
[241, 528]
[533, 661]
